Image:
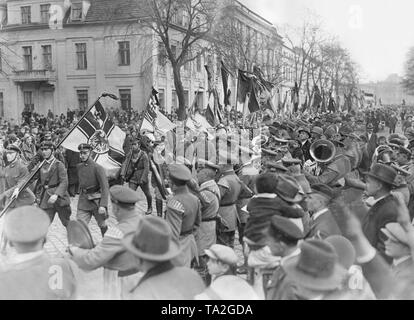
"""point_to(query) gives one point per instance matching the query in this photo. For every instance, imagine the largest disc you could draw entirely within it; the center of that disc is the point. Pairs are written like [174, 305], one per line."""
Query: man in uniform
[135, 170]
[206, 235]
[31, 274]
[14, 173]
[53, 179]
[230, 190]
[94, 189]
[119, 265]
[183, 213]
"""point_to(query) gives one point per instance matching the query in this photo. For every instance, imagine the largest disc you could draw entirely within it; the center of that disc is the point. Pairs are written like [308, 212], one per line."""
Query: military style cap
[13, 148]
[121, 194]
[47, 144]
[317, 130]
[284, 226]
[405, 151]
[222, 253]
[84, 146]
[395, 232]
[179, 172]
[26, 224]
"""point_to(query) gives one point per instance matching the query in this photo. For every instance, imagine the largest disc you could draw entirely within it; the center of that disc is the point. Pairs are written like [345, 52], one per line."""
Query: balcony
[34, 76]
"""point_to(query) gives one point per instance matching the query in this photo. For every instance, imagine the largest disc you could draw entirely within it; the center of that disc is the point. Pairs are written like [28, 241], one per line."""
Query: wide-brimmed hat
[317, 130]
[395, 232]
[383, 173]
[288, 189]
[152, 240]
[316, 267]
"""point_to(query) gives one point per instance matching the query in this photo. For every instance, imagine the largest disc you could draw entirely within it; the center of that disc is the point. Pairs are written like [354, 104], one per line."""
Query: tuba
[322, 151]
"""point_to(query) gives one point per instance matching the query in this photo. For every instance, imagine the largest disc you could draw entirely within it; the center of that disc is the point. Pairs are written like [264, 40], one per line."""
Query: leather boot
[158, 204]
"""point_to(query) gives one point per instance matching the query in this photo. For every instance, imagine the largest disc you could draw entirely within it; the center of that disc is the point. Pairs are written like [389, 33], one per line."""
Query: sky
[377, 33]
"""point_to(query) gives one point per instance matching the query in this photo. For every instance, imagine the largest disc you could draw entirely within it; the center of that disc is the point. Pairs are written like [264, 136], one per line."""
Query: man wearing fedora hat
[183, 213]
[119, 265]
[381, 203]
[316, 271]
[154, 248]
[323, 224]
[31, 274]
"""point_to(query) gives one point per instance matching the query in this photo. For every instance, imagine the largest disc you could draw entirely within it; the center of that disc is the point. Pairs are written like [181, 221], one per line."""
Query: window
[124, 55]
[47, 57]
[26, 15]
[162, 54]
[76, 11]
[27, 55]
[82, 62]
[82, 99]
[1, 105]
[125, 96]
[44, 13]
[28, 100]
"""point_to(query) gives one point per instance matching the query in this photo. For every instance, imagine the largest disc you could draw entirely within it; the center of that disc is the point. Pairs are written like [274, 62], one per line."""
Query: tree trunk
[179, 89]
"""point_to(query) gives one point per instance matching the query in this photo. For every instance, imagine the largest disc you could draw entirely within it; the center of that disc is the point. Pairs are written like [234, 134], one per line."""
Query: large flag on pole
[103, 135]
[153, 120]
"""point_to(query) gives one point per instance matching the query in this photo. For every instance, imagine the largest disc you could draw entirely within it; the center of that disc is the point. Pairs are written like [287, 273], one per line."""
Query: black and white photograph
[206, 150]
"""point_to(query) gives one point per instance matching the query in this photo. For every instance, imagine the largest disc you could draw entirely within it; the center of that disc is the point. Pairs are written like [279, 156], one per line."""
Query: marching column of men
[319, 213]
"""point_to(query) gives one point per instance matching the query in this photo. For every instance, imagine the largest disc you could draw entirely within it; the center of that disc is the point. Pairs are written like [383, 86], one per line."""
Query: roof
[110, 10]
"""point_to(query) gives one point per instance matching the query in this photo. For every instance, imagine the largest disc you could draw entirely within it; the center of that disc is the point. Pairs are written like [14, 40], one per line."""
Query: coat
[32, 279]
[405, 270]
[230, 190]
[136, 172]
[14, 174]
[92, 176]
[377, 217]
[306, 151]
[206, 234]
[184, 217]
[166, 282]
[55, 180]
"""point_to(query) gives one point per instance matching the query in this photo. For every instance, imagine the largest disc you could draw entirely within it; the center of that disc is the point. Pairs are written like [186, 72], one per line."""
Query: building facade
[58, 55]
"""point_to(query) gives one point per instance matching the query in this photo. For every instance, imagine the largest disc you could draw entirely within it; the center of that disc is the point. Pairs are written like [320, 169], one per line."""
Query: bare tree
[408, 79]
[189, 21]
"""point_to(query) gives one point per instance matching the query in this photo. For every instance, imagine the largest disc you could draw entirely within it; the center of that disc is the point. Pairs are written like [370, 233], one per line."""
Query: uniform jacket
[281, 287]
[377, 217]
[91, 174]
[323, 226]
[230, 190]
[110, 253]
[136, 172]
[183, 212]
[206, 234]
[166, 282]
[372, 144]
[14, 174]
[31, 279]
[184, 217]
[54, 174]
